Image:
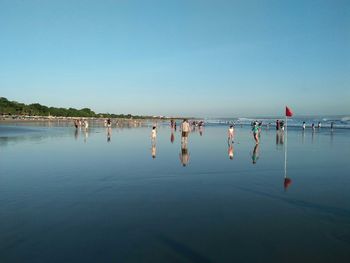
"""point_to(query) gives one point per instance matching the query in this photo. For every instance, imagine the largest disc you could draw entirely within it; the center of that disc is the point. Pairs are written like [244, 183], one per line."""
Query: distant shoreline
[29, 119]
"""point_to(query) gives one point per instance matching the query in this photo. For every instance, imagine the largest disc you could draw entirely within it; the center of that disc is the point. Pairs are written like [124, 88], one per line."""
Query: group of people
[185, 130]
[279, 125]
[81, 123]
[313, 126]
[108, 123]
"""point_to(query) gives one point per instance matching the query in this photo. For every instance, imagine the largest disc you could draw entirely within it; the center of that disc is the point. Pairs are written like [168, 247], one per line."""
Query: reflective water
[114, 196]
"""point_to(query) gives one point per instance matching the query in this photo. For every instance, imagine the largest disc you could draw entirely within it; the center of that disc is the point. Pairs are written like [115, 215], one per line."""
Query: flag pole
[285, 150]
[287, 181]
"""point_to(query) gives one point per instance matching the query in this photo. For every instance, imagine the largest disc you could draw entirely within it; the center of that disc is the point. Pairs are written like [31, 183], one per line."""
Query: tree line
[15, 108]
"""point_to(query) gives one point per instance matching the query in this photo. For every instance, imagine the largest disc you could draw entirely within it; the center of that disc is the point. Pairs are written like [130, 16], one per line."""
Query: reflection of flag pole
[287, 181]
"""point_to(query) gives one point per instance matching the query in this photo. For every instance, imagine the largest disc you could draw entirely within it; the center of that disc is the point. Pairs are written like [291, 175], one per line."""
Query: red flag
[289, 112]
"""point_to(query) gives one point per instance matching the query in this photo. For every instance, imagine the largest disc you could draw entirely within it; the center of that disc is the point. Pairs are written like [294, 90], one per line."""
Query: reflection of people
[230, 150]
[255, 155]
[184, 154]
[86, 135]
[279, 137]
[200, 130]
[230, 133]
[303, 137]
[76, 133]
[154, 149]
[172, 137]
[109, 134]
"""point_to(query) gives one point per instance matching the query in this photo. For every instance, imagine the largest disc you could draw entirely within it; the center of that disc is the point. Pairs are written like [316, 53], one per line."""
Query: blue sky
[197, 58]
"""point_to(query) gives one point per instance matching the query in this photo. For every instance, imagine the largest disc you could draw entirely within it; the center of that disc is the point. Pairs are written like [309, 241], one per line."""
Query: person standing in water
[313, 127]
[230, 133]
[76, 124]
[86, 124]
[319, 125]
[332, 123]
[255, 130]
[185, 130]
[277, 125]
[109, 123]
[282, 125]
[154, 133]
[304, 125]
[260, 125]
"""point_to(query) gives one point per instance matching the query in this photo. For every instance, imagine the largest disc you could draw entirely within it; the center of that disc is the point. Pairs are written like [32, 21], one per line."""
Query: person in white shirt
[86, 124]
[154, 133]
[230, 133]
[185, 128]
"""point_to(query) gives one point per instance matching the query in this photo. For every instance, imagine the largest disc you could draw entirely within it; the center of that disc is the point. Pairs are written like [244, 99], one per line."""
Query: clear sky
[197, 58]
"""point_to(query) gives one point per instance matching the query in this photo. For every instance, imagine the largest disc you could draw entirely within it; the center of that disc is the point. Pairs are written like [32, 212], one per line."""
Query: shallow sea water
[81, 197]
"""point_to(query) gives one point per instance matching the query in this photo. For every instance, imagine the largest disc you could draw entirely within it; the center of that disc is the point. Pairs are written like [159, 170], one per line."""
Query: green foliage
[35, 109]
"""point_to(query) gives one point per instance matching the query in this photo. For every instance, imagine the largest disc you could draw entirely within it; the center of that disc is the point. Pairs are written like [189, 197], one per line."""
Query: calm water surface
[68, 196]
